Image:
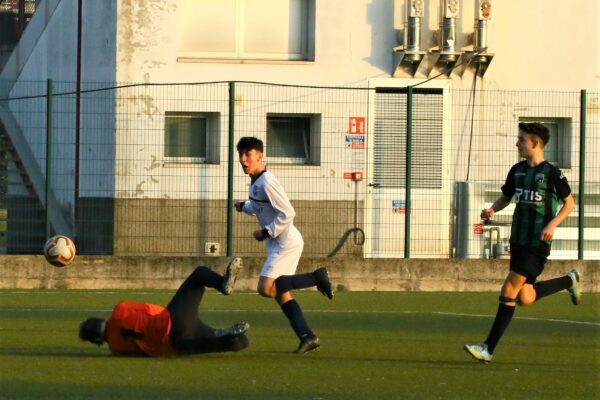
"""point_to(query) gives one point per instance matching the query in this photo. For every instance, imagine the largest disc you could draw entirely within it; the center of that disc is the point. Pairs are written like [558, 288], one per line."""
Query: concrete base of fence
[32, 272]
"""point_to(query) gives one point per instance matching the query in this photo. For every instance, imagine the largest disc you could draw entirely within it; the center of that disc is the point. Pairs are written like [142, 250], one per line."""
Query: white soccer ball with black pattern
[59, 251]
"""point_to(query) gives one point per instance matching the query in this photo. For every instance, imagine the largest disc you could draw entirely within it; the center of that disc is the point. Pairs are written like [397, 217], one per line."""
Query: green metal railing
[582, 151]
[47, 194]
[427, 162]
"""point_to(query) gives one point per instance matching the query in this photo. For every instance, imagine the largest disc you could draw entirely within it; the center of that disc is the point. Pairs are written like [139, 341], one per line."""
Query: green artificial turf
[386, 345]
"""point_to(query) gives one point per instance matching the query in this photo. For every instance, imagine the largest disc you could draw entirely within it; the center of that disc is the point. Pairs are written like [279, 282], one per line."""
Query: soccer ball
[59, 251]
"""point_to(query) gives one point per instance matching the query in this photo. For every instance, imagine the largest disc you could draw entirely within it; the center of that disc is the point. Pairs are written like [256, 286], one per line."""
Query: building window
[293, 138]
[246, 29]
[192, 137]
[558, 149]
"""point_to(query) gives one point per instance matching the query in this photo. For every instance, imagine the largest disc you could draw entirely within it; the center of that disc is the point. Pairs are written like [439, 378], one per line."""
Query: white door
[386, 214]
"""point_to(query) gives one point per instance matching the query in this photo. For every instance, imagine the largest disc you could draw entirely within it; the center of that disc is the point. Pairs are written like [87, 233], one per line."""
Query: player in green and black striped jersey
[537, 191]
[537, 187]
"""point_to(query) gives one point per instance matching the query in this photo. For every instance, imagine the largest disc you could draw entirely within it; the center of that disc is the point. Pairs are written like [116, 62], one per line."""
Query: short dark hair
[93, 330]
[249, 143]
[537, 129]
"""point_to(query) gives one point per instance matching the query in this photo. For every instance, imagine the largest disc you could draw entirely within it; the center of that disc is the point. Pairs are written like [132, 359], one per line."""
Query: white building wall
[545, 45]
[353, 44]
[354, 41]
[345, 34]
[537, 45]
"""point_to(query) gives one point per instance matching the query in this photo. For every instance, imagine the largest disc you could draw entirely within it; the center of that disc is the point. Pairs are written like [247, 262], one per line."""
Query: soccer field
[392, 345]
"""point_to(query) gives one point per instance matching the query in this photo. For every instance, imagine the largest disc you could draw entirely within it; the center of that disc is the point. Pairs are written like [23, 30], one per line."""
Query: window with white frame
[558, 149]
[191, 137]
[246, 29]
[293, 138]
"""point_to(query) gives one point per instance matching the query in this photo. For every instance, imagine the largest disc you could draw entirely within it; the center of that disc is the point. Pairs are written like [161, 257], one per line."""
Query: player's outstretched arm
[245, 207]
[498, 205]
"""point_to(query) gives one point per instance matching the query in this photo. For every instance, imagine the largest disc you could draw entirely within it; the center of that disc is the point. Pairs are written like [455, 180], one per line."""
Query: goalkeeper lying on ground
[141, 329]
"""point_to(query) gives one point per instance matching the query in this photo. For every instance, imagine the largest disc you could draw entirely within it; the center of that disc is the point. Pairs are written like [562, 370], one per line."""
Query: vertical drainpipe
[77, 116]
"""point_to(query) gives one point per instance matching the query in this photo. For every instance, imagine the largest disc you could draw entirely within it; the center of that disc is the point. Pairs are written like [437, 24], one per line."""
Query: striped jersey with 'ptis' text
[537, 191]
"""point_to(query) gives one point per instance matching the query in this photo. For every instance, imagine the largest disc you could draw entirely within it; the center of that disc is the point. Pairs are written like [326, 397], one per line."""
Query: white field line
[565, 321]
[398, 312]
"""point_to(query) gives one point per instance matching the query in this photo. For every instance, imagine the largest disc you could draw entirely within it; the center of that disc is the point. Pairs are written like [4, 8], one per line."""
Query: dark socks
[551, 286]
[285, 283]
[503, 318]
[293, 312]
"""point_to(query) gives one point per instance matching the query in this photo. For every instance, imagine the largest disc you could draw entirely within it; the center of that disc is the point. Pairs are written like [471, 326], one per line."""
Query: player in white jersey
[269, 202]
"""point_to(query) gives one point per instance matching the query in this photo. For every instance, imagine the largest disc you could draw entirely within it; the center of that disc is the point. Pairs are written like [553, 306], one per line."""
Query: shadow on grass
[394, 362]
[20, 389]
[50, 353]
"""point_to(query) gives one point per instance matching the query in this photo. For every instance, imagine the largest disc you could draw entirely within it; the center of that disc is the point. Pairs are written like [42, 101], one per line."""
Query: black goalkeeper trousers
[189, 335]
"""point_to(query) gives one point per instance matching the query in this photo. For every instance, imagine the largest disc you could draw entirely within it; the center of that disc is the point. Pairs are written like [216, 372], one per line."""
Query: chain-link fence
[152, 168]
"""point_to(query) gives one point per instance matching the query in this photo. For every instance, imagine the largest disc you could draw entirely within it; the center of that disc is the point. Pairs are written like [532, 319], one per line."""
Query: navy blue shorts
[526, 263]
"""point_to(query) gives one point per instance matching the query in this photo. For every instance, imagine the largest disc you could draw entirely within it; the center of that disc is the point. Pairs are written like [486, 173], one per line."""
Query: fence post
[408, 171]
[48, 155]
[230, 161]
[582, 124]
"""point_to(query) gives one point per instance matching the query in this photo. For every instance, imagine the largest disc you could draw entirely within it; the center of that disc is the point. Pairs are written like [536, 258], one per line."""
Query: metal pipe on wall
[412, 36]
[410, 52]
[483, 13]
[449, 13]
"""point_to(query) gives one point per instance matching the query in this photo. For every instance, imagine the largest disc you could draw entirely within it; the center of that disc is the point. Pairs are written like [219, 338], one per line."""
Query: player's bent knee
[525, 301]
[265, 292]
[527, 295]
[283, 284]
[200, 270]
[526, 298]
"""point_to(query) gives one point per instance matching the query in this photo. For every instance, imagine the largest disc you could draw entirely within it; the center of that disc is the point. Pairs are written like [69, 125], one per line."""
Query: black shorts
[526, 263]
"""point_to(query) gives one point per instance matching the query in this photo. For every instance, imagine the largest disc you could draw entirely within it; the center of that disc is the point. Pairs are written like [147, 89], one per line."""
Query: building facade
[149, 168]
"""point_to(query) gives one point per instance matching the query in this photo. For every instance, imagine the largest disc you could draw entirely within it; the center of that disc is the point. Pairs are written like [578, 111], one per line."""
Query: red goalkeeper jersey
[139, 329]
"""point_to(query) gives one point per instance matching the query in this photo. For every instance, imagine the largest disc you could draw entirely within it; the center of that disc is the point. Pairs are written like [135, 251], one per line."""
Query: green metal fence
[380, 171]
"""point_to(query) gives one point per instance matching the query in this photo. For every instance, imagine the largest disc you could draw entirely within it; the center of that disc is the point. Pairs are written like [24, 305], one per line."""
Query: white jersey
[269, 202]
